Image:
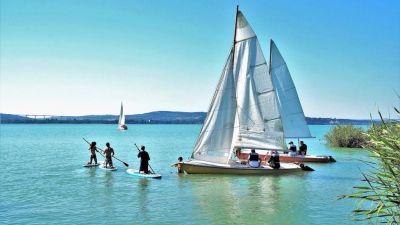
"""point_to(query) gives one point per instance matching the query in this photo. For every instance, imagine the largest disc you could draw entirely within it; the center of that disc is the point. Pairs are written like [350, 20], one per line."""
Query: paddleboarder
[144, 160]
[108, 152]
[92, 150]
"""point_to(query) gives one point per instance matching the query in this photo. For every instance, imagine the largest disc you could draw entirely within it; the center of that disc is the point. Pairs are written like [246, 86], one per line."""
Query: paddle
[151, 169]
[97, 150]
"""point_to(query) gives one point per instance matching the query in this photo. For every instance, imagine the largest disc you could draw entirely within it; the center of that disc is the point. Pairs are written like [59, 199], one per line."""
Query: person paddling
[144, 160]
[108, 152]
[92, 150]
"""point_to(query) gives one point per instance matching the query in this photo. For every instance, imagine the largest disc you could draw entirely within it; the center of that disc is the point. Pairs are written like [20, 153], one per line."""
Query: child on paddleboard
[108, 152]
[92, 150]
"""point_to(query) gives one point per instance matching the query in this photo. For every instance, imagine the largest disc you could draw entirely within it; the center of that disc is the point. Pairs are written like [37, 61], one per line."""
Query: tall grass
[347, 136]
[379, 196]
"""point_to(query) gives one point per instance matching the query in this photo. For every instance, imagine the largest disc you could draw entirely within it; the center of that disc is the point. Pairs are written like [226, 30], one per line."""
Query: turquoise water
[43, 181]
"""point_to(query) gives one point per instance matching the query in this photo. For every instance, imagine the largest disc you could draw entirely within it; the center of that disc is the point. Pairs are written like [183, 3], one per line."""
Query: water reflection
[143, 199]
[108, 180]
[91, 172]
[244, 199]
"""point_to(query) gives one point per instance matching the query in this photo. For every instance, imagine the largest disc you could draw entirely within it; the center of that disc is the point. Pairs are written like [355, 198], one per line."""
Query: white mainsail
[258, 120]
[294, 121]
[248, 108]
[121, 121]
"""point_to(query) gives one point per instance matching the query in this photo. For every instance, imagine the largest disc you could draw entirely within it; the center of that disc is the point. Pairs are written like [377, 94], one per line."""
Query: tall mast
[270, 58]
[234, 35]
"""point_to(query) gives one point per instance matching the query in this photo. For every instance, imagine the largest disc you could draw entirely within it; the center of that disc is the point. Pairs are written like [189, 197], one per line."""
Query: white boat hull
[202, 167]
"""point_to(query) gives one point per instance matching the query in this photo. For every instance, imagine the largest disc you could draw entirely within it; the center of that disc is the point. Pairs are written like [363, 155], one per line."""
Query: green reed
[379, 195]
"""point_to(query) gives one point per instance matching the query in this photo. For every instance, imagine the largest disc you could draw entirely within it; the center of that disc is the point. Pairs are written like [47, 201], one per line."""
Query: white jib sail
[259, 123]
[121, 116]
[294, 122]
[214, 142]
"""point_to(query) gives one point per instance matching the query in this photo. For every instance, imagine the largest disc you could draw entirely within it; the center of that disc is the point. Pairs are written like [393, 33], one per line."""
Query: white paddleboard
[91, 165]
[102, 166]
[136, 173]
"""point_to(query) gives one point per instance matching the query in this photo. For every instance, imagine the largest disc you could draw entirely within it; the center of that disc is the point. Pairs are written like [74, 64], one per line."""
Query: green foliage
[347, 136]
[379, 196]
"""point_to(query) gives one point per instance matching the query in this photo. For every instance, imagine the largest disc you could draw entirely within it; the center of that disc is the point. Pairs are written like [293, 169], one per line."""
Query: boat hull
[293, 159]
[123, 127]
[199, 167]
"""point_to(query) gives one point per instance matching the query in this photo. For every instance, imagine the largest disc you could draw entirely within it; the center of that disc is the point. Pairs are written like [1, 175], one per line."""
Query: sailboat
[121, 121]
[255, 106]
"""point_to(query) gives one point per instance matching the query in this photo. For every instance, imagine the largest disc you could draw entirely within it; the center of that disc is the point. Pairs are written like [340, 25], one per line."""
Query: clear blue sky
[78, 57]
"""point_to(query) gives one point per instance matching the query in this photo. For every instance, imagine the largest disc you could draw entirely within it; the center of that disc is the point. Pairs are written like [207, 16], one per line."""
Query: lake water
[43, 181]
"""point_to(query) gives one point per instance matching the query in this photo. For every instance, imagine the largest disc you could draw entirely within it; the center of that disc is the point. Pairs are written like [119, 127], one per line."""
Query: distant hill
[157, 117]
[11, 117]
[193, 117]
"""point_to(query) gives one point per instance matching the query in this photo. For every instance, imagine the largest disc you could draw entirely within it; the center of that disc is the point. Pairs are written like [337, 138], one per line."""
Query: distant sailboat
[121, 121]
[253, 107]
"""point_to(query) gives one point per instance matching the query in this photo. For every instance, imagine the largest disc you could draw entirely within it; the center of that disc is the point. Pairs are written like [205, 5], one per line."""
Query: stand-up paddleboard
[136, 173]
[102, 166]
[91, 165]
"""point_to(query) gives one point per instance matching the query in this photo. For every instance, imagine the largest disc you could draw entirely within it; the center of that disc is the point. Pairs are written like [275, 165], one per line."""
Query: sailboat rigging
[246, 110]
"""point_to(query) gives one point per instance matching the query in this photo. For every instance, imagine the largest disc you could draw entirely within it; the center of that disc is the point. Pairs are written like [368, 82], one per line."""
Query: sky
[78, 57]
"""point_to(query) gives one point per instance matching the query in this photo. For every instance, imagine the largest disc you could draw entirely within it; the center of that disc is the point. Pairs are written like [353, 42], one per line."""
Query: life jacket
[254, 156]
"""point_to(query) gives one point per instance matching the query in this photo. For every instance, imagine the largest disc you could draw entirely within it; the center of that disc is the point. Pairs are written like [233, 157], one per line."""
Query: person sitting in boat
[92, 150]
[292, 148]
[302, 148]
[254, 159]
[144, 160]
[237, 151]
[274, 161]
[108, 152]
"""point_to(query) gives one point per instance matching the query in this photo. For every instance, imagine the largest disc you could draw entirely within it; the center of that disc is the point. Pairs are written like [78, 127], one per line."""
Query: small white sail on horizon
[121, 121]
[253, 106]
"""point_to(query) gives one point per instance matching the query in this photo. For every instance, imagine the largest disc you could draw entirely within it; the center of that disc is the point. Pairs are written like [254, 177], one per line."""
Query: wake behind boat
[254, 107]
